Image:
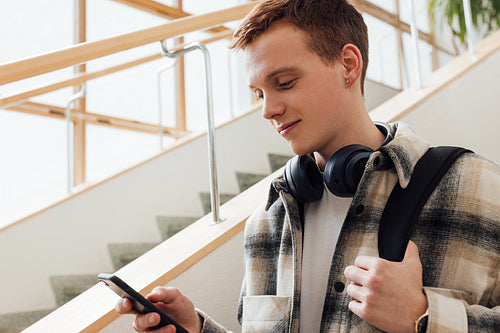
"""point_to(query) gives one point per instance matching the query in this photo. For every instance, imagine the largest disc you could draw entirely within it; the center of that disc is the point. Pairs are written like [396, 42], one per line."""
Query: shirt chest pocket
[266, 313]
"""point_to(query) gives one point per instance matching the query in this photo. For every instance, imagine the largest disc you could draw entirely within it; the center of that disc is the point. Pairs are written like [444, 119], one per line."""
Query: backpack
[404, 205]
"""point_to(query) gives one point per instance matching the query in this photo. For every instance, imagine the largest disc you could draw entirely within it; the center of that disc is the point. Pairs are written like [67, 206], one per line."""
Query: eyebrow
[281, 70]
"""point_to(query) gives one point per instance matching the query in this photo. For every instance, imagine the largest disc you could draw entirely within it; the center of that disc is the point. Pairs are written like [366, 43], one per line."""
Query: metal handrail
[230, 82]
[214, 191]
[469, 28]
[69, 136]
[414, 37]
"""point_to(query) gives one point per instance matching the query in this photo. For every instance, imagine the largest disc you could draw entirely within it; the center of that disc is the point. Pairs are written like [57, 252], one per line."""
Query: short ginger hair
[328, 24]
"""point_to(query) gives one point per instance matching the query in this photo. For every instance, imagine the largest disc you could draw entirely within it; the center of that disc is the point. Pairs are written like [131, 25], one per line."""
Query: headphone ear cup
[345, 168]
[303, 179]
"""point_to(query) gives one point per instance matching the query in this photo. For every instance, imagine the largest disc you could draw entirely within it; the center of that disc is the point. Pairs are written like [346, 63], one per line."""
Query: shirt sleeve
[452, 311]
[210, 325]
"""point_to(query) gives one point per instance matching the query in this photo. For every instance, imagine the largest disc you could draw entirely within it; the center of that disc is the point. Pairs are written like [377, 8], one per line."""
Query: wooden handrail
[17, 96]
[408, 100]
[393, 19]
[95, 307]
[164, 11]
[33, 66]
[98, 119]
[155, 8]
[179, 143]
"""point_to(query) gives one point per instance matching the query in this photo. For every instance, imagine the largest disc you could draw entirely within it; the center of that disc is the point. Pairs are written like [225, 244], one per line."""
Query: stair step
[16, 322]
[277, 161]
[246, 180]
[124, 253]
[67, 287]
[206, 202]
[170, 225]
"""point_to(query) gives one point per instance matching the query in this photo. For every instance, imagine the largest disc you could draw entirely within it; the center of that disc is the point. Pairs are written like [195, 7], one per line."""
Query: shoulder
[465, 203]
[477, 178]
[270, 214]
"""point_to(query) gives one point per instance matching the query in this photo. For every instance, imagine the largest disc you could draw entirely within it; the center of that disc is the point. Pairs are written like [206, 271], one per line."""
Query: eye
[286, 85]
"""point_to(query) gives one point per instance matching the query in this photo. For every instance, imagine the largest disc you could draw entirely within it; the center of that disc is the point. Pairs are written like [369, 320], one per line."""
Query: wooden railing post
[80, 126]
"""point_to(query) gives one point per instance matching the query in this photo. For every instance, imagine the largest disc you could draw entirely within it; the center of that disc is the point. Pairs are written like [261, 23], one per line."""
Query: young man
[313, 266]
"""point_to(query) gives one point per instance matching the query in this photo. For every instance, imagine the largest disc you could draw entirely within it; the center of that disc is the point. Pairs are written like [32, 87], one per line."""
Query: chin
[300, 150]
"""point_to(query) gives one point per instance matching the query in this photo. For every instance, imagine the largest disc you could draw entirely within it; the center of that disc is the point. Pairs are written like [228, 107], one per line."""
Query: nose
[272, 107]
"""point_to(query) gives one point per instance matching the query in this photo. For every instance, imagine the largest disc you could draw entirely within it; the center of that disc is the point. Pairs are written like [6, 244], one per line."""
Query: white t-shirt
[322, 225]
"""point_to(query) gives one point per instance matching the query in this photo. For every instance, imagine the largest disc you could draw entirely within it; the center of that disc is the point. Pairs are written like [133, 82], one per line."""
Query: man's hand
[172, 302]
[388, 295]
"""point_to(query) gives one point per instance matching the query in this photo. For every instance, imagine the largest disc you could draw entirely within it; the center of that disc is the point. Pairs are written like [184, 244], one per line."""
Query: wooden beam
[393, 19]
[180, 84]
[156, 8]
[36, 65]
[159, 9]
[401, 55]
[12, 98]
[79, 127]
[57, 112]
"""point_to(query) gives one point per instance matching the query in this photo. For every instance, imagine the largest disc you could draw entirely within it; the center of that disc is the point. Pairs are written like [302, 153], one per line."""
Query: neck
[364, 133]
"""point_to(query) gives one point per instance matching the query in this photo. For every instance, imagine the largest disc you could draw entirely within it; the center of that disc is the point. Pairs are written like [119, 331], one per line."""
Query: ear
[351, 59]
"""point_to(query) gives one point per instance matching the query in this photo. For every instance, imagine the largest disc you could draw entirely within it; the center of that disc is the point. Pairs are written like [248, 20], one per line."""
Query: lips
[284, 129]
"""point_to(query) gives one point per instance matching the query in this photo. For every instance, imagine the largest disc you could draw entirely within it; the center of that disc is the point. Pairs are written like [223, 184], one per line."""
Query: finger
[170, 329]
[366, 262]
[356, 307]
[143, 322]
[411, 253]
[356, 292]
[165, 295]
[125, 306]
[356, 275]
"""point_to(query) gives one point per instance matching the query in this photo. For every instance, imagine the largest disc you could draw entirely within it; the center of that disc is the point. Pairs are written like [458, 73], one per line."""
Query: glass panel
[196, 104]
[421, 14]
[425, 59]
[110, 18]
[110, 150]
[385, 4]
[242, 96]
[444, 58]
[25, 32]
[383, 64]
[131, 94]
[33, 168]
[59, 98]
[202, 6]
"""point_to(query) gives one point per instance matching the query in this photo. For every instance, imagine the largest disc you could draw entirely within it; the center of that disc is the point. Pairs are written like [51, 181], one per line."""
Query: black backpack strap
[404, 206]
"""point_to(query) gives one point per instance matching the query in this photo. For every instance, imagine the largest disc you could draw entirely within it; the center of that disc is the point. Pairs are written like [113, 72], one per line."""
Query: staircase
[104, 238]
[66, 287]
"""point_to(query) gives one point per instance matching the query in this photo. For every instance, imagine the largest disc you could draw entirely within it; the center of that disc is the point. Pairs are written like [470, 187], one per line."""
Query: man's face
[303, 97]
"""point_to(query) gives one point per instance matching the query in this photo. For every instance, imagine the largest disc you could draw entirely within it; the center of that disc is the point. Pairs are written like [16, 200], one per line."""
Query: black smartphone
[141, 304]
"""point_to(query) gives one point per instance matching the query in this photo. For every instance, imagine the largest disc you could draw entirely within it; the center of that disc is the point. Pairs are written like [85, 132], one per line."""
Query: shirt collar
[403, 151]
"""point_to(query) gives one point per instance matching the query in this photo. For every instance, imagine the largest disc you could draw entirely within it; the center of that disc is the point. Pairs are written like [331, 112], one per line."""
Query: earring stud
[347, 81]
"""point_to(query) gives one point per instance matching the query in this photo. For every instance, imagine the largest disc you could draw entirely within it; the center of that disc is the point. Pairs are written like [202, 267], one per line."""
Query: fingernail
[151, 319]
[124, 301]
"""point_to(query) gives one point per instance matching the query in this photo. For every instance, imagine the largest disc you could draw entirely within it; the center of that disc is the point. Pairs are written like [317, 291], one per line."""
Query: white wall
[213, 285]
[377, 93]
[465, 113]
[72, 237]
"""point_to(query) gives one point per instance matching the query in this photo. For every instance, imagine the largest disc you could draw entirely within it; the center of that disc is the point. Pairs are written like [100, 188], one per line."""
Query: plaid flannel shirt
[457, 234]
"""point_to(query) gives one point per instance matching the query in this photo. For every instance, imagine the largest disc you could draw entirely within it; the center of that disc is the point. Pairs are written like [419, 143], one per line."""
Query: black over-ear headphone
[343, 171]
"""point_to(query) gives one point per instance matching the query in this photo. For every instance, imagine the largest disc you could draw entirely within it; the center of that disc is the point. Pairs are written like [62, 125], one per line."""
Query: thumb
[411, 254]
